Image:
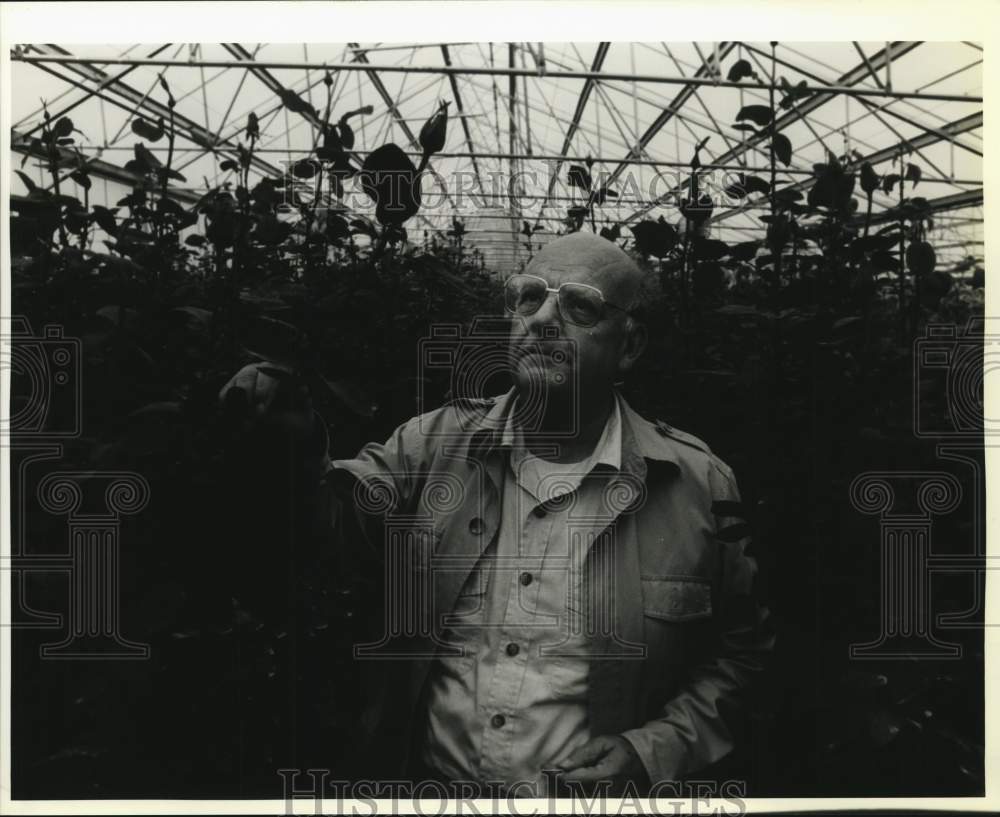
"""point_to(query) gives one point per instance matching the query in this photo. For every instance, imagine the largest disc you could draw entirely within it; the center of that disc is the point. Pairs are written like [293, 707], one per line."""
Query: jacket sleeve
[692, 732]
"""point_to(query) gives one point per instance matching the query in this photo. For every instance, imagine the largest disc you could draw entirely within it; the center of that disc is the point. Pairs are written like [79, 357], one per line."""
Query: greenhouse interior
[808, 214]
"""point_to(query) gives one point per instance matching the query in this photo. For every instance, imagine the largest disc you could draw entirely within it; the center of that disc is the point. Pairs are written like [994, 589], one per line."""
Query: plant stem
[774, 171]
[902, 256]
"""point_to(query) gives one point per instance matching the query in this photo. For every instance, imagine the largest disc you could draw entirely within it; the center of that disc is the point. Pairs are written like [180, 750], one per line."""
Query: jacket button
[539, 511]
[513, 649]
[526, 579]
[476, 525]
[498, 721]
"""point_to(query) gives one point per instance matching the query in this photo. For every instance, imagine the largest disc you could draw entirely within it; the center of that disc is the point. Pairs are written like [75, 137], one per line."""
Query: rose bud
[434, 131]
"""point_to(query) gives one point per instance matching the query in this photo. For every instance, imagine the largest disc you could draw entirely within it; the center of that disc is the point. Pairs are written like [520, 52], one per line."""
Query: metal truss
[542, 127]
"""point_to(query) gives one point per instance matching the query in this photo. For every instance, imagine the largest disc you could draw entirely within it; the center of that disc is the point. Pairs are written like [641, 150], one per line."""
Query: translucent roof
[529, 111]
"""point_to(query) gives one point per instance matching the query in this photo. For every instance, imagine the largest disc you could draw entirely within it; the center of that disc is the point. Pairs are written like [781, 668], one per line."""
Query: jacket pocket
[676, 598]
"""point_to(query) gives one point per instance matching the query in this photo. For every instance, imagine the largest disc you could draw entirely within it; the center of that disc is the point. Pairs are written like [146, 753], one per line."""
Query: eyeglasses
[581, 304]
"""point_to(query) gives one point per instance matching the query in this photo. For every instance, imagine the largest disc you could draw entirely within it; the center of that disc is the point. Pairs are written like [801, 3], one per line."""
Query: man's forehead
[581, 264]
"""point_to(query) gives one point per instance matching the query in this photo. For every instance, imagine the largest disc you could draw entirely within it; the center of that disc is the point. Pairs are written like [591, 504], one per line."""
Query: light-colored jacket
[685, 634]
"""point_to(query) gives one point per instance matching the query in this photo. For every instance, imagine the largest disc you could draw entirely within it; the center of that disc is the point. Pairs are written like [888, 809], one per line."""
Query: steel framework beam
[661, 79]
[21, 143]
[956, 201]
[963, 125]
[376, 80]
[187, 128]
[818, 99]
[894, 114]
[581, 103]
[461, 110]
[668, 113]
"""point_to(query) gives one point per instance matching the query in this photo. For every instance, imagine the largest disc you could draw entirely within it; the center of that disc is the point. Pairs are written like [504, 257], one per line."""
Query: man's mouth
[541, 358]
[542, 354]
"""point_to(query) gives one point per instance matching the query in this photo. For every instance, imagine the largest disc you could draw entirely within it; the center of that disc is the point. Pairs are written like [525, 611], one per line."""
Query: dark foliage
[791, 354]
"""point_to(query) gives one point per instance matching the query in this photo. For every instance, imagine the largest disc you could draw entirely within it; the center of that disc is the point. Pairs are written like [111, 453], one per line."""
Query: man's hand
[608, 757]
[268, 396]
[271, 405]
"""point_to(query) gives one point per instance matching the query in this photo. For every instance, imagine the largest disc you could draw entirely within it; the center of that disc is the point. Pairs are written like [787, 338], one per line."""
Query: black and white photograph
[398, 419]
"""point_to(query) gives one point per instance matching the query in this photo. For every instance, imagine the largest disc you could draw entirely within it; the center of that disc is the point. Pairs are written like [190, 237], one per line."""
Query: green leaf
[63, 127]
[346, 135]
[788, 195]
[740, 70]
[738, 309]
[105, 219]
[81, 179]
[304, 169]
[848, 321]
[755, 184]
[656, 238]
[913, 174]
[920, 258]
[196, 312]
[603, 193]
[792, 94]
[390, 179]
[434, 132]
[782, 148]
[580, 177]
[253, 126]
[145, 157]
[294, 102]
[27, 181]
[884, 260]
[612, 233]
[869, 179]
[889, 182]
[163, 407]
[170, 174]
[744, 251]
[147, 130]
[738, 188]
[758, 114]
[351, 395]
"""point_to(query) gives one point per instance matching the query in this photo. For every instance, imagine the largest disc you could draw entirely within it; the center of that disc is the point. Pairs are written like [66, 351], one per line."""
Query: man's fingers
[586, 755]
[584, 774]
[245, 380]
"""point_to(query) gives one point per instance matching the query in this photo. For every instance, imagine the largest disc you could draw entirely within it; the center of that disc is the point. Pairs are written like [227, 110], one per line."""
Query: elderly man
[580, 606]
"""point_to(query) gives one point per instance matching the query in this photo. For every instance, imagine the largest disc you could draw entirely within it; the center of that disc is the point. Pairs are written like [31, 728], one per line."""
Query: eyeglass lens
[579, 304]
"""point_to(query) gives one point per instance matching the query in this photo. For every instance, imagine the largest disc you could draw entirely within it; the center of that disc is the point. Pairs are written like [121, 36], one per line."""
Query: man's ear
[635, 344]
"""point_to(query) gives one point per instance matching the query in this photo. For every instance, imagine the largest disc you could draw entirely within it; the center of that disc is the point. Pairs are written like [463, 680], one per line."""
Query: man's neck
[590, 423]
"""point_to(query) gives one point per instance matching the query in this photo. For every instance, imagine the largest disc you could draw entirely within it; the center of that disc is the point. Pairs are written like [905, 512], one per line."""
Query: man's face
[582, 360]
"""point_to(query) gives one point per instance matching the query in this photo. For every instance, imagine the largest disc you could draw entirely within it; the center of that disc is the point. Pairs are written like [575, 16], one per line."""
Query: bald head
[589, 259]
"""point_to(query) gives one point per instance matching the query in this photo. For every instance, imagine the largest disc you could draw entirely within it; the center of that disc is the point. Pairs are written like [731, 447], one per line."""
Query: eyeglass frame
[604, 301]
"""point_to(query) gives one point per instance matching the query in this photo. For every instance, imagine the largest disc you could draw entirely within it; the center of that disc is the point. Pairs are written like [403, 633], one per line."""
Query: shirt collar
[607, 451]
[640, 439]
